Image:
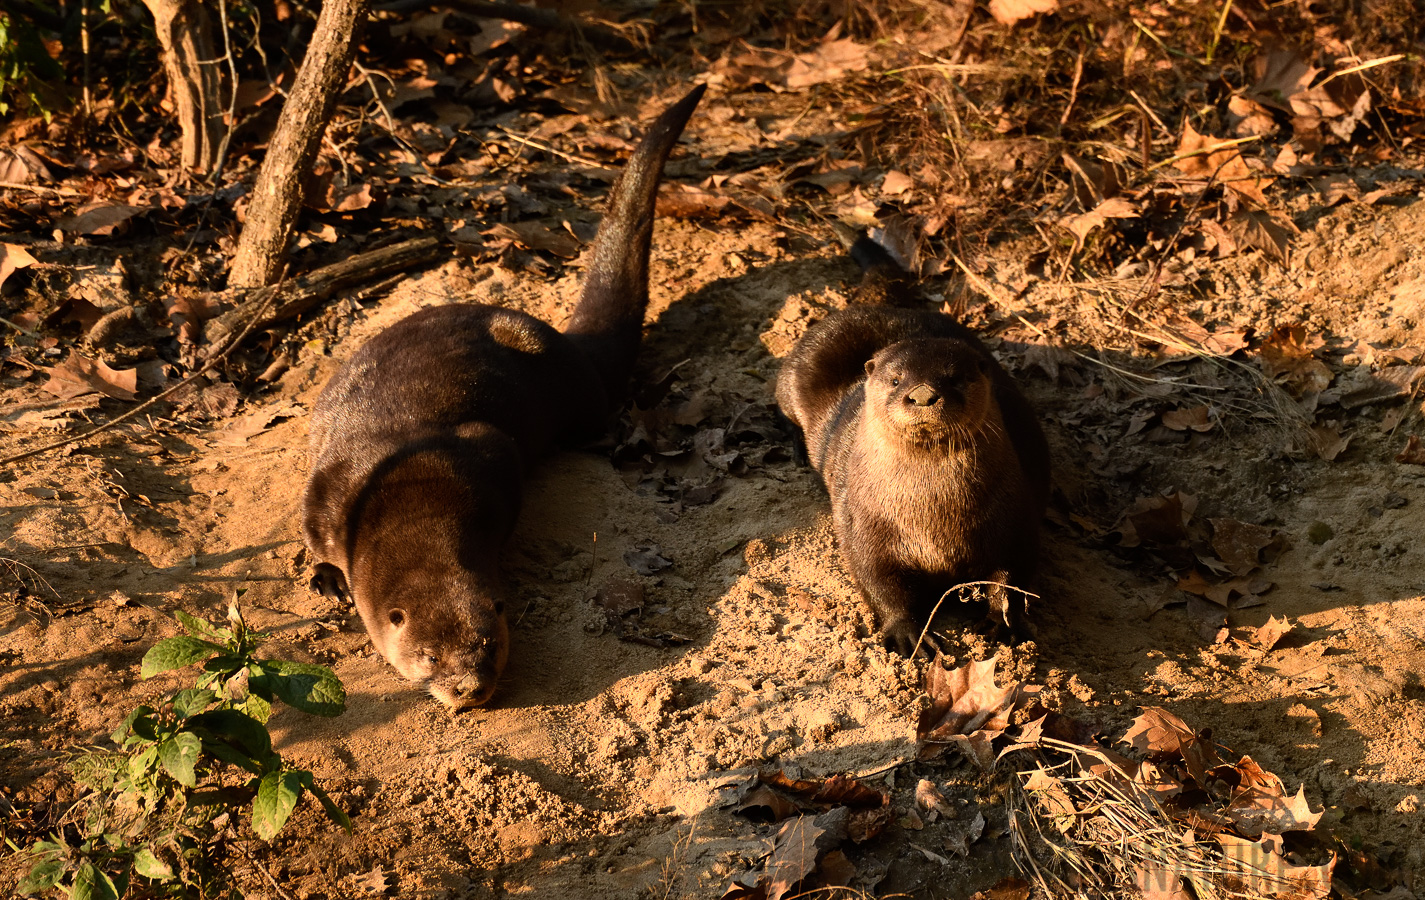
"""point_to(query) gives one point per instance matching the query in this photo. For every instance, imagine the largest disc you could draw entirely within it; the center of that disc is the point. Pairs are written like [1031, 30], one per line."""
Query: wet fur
[923, 499]
[419, 445]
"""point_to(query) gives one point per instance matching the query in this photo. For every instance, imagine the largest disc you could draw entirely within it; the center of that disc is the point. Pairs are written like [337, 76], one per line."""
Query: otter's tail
[883, 281]
[608, 322]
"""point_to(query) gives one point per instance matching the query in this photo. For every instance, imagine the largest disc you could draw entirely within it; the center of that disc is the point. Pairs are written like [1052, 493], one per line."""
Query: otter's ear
[397, 617]
[870, 367]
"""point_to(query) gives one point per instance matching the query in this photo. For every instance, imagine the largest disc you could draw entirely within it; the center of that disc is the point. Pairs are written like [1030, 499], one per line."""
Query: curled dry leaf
[1258, 868]
[1414, 452]
[1227, 165]
[1260, 803]
[1162, 735]
[646, 559]
[1083, 224]
[256, 422]
[967, 709]
[79, 375]
[100, 218]
[1288, 357]
[1197, 418]
[1156, 520]
[683, 201]
[1240, 545]
[1005, 889]
[1327, 441]
[1007, 12]
[1267, 636]
[12, 257]
[1267, 231]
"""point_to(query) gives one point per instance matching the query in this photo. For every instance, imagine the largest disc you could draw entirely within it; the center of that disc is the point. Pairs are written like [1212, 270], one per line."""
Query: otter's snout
[472, 690]
[922, 395]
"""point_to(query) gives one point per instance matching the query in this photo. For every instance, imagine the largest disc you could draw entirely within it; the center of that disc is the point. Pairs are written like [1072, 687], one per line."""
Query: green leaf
[197, 626]
[257, 707]
[42, 877]
[277, 796]
[179, 754]
[126, 726]
[233, 727]
[311, 688]
[92, 884]
[150, 866]
[334, 812]
[191, 701]
[175, 653]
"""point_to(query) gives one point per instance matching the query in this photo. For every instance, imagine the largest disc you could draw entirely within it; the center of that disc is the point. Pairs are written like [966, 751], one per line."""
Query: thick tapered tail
[883, 281]
[608, 322]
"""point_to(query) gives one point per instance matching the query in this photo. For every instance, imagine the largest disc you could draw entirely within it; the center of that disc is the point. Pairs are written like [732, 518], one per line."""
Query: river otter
[420, 441]
[935, 462]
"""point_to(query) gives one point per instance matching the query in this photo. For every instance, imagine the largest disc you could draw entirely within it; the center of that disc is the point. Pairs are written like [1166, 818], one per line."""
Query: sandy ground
[599, 771]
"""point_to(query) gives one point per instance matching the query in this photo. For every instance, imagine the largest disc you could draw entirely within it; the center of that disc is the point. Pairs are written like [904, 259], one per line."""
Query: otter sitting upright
[420, 441]
[935, 462]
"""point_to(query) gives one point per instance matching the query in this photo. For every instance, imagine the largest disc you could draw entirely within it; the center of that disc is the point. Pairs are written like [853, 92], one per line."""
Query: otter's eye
[432, 660]
[895, 382]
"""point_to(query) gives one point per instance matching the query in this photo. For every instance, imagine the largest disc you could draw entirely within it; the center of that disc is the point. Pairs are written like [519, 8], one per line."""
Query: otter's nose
[470, 688]
[922, 395]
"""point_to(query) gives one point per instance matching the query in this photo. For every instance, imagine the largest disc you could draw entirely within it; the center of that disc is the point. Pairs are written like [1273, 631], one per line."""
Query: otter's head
[931, 391]
[452, 639]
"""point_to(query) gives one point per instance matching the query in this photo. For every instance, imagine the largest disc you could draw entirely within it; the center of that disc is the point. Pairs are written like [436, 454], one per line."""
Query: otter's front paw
[901, 636]
[328, 581]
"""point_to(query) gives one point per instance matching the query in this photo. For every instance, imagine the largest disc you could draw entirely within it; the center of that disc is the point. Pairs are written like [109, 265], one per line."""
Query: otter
[419, 444]
[936, 465]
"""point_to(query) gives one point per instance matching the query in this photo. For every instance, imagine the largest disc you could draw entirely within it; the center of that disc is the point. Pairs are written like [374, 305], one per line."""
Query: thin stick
[957, 587]
[1073, 89]
[39, 189]
[212, 363]
[1203, 151]
[538, 145]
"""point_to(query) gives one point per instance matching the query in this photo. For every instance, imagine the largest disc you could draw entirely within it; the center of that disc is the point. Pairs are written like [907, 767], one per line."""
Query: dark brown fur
[937, 468]
[420, 442]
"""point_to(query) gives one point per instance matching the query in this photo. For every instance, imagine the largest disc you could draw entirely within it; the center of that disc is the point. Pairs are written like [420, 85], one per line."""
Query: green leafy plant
[25, 64]
[161, 804]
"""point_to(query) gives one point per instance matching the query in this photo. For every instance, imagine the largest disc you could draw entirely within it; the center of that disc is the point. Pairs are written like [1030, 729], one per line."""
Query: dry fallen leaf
[374, 882]
[1288, 357]
[1269, 232]
[1160, 734]
[1258, 868]
[79, 375]
[1007, 12]
[1005, 889]
[1413, 454]
[101, 218]
[1155, 882]
[1260, 804]
[256, 422]
[1156, 520]
[12, 257]
[829, 62]
[1267, 636]
[1197, 418]
[967, 709]
[646, 559]
[1240, 544]
[1226, 165]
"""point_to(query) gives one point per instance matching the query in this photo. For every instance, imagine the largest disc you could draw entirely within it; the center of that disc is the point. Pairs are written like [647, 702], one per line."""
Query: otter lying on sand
[420, 442]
